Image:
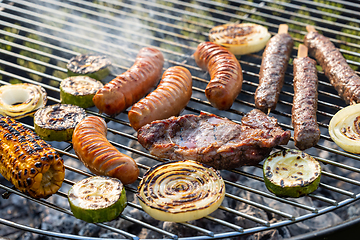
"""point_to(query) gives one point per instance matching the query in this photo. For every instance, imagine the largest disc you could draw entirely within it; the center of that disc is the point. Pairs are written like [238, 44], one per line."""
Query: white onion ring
[18, 100]
[181, 191]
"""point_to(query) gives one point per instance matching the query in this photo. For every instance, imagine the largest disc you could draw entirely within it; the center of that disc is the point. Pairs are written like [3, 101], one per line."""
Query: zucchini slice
[57, 122]
[291, 173]
[90, 65]
[97, 199]
[79, 90]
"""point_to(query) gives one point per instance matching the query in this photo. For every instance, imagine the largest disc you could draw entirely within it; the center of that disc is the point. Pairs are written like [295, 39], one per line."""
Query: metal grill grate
[38, 37]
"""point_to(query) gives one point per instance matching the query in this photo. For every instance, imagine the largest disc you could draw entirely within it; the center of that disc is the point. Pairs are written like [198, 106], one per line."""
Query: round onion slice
[180, 191]
[344, 128]
[18, 100]
[240, 39]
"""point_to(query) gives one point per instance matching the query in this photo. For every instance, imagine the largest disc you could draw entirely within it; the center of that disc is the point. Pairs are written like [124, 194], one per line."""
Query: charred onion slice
[344, 128]
[181, 191]
[91, 65]
[57, 122]
[79, 90]
[291, 173]
[240, 39]
[97, 199]
[20, 100]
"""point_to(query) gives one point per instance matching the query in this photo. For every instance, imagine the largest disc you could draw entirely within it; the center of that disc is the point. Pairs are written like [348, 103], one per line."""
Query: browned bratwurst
[129, 87]
[272, 71]
[99, 155]
[341, 75]
[170, 97]
[225, 72]
[306, 129]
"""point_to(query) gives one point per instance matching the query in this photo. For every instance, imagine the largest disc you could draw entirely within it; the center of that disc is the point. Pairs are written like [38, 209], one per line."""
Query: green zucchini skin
[93, 66]
[292, 186]
[57, 122]
[98, 214]
[79, 91]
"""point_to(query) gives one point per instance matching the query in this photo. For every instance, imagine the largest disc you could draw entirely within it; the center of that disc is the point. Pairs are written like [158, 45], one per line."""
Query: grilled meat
[27, 161]
[215, 141]
[272, 71]
[306, 129]
[341, 75]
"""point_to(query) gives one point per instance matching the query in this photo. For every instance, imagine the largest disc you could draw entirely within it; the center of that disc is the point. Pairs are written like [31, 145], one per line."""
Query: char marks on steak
[215, 141]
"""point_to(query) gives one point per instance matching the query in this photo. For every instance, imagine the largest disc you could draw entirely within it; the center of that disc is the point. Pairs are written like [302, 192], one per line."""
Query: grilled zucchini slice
[291, 173]
[97, 199]
[57, 122]
[79, 90]
[91, 65]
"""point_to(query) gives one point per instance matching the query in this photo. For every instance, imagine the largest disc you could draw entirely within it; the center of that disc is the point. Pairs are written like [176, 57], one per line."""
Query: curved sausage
[272, 71]
[168, 99]
[306, 129]
[98, 155]
[127, 88]
[225, 72]
[340, 74]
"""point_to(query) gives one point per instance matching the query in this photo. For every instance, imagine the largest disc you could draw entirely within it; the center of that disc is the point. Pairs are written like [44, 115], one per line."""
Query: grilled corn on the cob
[27, 161]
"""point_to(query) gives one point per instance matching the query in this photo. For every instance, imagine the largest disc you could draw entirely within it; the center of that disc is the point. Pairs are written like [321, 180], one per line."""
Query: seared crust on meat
[216, 141]
[340, 74]
[272, 71]
[306, 129]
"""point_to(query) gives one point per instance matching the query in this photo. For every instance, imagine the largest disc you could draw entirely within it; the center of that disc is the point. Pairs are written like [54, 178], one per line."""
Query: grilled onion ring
[180, 191]
[18, 100]
[344, 128]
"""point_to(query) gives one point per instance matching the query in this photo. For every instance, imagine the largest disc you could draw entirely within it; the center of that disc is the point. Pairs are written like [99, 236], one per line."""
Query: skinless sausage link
[168, 99]
[272, 71]
[340, 74]
[129, 87]
[306, 129]
[99, 155]
[225, 72]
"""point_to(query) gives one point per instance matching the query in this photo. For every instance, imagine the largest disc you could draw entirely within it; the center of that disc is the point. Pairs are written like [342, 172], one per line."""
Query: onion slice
[20, 100]
[344, 128]
[180, 191]
[240, 39]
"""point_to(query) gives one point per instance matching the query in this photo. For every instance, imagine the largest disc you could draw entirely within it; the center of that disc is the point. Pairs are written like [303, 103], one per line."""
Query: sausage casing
[127, 88]
[99, 155]
[306, 130]
[272, 71]
[225, 72]
[168, 99]
[340, 74]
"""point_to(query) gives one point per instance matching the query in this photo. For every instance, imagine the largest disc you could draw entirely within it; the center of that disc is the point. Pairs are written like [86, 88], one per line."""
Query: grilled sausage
[168, 99]
[272, 71]
[97, 153]
[306, 129]
[340, 74]
[129, 87]
[225, 72]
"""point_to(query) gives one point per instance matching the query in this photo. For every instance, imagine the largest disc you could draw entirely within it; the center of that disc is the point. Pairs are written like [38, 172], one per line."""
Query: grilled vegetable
[181, 191]
[344, 128]
[20, 100]
[241, 38]
[79, 90]
[28, 162]
[93, 66]
[57, 122]
[97, 199]
[291, 173]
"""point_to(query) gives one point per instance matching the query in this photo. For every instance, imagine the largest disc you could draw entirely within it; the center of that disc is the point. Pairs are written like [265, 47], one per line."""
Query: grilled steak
[215, 141]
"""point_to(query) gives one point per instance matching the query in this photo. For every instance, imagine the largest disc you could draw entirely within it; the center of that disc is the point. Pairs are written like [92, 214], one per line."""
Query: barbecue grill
[38, 37]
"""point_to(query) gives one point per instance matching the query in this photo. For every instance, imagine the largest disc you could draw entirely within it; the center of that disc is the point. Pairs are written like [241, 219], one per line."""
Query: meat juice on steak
[215, 141]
